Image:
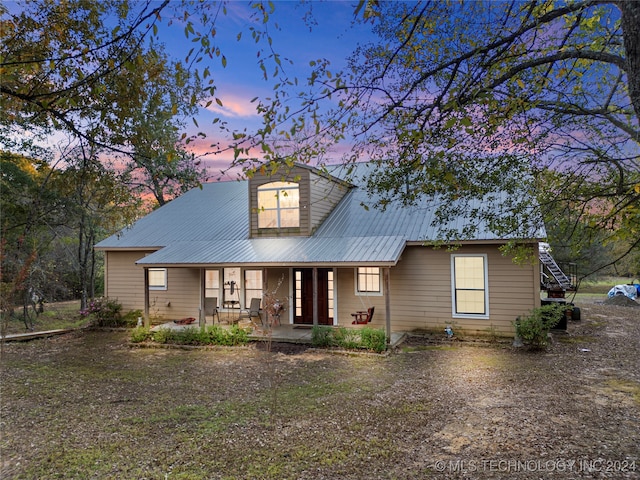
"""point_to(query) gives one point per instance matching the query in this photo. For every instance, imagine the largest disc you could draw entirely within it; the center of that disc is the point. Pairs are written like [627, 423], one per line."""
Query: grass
[60, 315]
[628, 387]
[602, 285]
[577, 339]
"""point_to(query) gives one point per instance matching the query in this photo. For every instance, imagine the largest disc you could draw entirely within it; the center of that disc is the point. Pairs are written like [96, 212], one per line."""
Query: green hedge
[211, 335]
[350, 338]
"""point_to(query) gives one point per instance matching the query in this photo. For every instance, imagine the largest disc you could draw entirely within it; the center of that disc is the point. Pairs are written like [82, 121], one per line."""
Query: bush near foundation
[212, 335]
[534, 329]
[366, 338]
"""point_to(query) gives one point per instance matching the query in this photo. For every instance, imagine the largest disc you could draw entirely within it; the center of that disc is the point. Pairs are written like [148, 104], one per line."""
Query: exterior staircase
[559, 277]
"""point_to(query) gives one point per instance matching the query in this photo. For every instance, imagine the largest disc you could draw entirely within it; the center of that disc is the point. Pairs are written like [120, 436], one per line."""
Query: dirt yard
[88, 405]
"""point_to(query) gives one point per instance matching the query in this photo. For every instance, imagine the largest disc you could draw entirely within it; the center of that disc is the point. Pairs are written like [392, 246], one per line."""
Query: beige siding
[421, 292]
[125, 283]
[124, 280]
[182, 297]
[318, 196]
[278, 285]
[325, 195]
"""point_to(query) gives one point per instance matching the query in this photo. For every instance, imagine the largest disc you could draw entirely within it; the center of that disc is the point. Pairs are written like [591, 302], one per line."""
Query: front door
[303, 296]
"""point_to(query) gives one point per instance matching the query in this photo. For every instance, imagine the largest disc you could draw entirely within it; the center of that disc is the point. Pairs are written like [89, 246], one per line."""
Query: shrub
[237, 335]
[189, 336]
[130, 319]
[373, 339]
[140, 334]
[346, 338]
[212, 335]
[349, 338]
[321, 336]
[105, 312]
[162, 335]
[533, 329]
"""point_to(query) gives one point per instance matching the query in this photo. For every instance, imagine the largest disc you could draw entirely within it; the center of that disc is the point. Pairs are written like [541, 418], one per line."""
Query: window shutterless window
[157, 278]
[252, 286]
[279, 205]
[469, 281]
[212, 283]
[368, 280]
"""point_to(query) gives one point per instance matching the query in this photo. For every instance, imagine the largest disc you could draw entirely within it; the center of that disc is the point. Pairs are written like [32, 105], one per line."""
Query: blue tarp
[630, 291]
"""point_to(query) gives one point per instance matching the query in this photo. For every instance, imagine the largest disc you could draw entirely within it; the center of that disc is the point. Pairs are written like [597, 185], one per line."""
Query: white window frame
[253, 292]
[454, 290]
[367, 293]
[157, 286]
[278, 189]
[212, 291]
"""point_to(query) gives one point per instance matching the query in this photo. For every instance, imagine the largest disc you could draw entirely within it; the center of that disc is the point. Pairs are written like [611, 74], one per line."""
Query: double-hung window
[157, 278]
[368, 281]
[279, 205]
[469, 285]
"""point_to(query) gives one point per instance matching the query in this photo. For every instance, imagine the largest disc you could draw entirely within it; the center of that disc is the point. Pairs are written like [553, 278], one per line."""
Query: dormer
[292, 203]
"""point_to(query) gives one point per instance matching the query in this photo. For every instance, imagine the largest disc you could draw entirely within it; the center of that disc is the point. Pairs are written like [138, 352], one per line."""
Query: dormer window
[278, 205]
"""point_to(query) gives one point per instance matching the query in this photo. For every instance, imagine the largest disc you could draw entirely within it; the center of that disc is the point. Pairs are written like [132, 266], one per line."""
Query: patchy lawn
[88, 405]
[58, 315]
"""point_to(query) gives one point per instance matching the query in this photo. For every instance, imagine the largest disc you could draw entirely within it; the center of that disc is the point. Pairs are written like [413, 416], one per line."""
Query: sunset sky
[331, 37]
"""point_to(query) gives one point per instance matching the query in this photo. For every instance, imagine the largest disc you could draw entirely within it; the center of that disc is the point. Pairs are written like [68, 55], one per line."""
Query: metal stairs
[561, 279]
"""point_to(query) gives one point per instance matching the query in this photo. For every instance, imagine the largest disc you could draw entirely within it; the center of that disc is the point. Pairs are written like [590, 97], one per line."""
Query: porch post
[315, 296]
[202, 319]
[265, 282]
[387, 301]
[147, 323]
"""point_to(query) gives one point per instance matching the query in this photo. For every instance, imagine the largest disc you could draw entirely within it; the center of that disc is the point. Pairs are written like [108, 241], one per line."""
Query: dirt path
[88, 406]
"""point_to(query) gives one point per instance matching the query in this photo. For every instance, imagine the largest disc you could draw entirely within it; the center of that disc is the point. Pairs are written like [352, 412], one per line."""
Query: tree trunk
[631, 34]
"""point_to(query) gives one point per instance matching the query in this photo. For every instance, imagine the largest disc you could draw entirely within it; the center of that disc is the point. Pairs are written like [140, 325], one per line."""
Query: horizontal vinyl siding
[182, 297]
[421, 289]
[421, 292]
[124, 280]
[125, 283]
[278, 286]
[325, 195]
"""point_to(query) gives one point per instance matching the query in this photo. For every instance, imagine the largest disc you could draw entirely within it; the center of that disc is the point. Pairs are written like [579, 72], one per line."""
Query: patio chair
[253, 310]
[363, 317]
[211, 308]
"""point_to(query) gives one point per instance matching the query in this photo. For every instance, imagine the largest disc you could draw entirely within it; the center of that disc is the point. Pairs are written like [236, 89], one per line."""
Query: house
[306, 240]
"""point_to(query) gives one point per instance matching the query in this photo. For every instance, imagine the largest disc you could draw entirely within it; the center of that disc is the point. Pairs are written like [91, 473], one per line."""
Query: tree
[463, 99]
[31, 211]
[93, 73]
[58, 60]
[158, 162]
[97, 204]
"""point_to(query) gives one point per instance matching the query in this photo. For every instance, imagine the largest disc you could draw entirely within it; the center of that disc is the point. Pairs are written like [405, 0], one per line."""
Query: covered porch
[316, 281]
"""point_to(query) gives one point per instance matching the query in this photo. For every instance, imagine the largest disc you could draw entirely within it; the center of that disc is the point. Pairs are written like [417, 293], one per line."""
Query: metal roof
[210, 225]
[376, 250]
[217, 211]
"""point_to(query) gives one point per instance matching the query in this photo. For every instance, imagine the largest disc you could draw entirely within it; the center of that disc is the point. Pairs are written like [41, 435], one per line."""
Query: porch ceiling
[296, 251]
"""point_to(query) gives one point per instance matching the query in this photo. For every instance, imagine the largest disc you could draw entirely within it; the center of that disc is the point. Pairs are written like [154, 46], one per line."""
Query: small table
[232, 305]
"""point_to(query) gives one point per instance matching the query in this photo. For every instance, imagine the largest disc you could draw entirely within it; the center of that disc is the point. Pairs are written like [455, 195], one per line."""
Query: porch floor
[280, 333]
